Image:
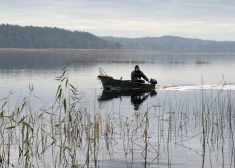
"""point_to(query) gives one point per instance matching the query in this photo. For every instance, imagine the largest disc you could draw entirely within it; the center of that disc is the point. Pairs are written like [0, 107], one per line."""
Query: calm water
[175, 137]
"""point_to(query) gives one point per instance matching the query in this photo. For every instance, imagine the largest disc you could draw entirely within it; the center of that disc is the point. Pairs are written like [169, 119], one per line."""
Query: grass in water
[111, 61]
[70, 135]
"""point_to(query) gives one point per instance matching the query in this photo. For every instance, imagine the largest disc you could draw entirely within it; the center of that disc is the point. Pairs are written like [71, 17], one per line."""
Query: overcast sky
[205, 19]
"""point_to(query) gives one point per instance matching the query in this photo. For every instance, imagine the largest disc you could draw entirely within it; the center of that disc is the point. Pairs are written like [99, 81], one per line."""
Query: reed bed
[202, 62]
[111, 61]
[177, 62]
[197, 62]
[69, 135]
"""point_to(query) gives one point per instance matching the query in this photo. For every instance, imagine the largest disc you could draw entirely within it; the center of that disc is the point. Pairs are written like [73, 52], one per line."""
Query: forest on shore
[14, 36]
[174, 44]
[31, 37]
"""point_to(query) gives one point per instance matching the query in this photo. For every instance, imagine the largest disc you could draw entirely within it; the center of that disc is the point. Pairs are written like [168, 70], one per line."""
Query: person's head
[137, 68]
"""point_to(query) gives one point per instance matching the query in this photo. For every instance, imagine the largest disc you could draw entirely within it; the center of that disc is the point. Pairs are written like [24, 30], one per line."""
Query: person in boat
[137, 74]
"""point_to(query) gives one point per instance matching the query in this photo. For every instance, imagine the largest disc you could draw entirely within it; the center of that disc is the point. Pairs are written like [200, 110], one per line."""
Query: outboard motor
[153, 81]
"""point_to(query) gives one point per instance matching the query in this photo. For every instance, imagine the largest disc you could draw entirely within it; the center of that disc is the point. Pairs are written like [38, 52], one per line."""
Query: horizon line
[113, 36]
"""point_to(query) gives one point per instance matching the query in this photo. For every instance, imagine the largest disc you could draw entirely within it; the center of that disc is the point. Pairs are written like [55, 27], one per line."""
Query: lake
[187, 122]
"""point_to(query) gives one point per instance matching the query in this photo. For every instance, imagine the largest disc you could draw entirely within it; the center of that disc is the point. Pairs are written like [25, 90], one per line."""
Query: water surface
[175, 111]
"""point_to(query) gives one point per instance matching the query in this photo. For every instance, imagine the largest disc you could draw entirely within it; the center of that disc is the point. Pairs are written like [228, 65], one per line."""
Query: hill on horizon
[14, 36]
[173, 44]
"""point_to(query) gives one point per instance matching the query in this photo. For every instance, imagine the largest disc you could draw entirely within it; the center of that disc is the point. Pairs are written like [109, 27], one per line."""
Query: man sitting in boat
[137, 74]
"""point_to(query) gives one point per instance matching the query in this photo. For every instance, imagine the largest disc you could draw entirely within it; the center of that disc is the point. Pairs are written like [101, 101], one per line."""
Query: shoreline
[77, 51]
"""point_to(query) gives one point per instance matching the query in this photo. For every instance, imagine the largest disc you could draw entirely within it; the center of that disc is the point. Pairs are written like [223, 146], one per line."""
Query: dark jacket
[138, 74]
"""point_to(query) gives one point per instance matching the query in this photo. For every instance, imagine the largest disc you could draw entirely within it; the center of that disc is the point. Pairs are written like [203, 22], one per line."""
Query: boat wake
[196, 87]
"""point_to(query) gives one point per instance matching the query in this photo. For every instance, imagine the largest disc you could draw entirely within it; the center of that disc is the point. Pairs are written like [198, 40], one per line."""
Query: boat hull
[114, 84]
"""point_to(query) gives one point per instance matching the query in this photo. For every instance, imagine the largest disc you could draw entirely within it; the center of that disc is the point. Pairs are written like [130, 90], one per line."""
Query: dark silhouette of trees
[174, 44]
[14, 36]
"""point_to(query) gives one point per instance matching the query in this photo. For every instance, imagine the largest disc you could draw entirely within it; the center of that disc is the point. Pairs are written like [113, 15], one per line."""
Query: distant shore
[77, 51]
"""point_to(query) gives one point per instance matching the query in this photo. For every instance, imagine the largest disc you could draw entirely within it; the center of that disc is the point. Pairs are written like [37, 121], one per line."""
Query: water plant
[68, 134]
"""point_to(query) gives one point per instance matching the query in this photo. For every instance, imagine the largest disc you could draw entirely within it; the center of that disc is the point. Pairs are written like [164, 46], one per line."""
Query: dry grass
[77, 137]
[178, 62]
[110, 61]
[200, 62]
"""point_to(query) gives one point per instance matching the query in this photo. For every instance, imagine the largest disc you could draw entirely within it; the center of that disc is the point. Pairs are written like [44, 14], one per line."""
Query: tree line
[174, 44]
[14, 36]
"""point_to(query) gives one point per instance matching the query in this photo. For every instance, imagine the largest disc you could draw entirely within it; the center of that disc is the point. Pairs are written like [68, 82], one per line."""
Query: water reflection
[137, 96]
[187, 127]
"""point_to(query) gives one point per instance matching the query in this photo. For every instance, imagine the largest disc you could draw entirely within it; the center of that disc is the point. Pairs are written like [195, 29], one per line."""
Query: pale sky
[204, 19]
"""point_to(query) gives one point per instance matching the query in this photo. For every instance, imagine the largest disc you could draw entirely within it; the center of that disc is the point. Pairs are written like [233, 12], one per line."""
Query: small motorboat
[117, 84]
